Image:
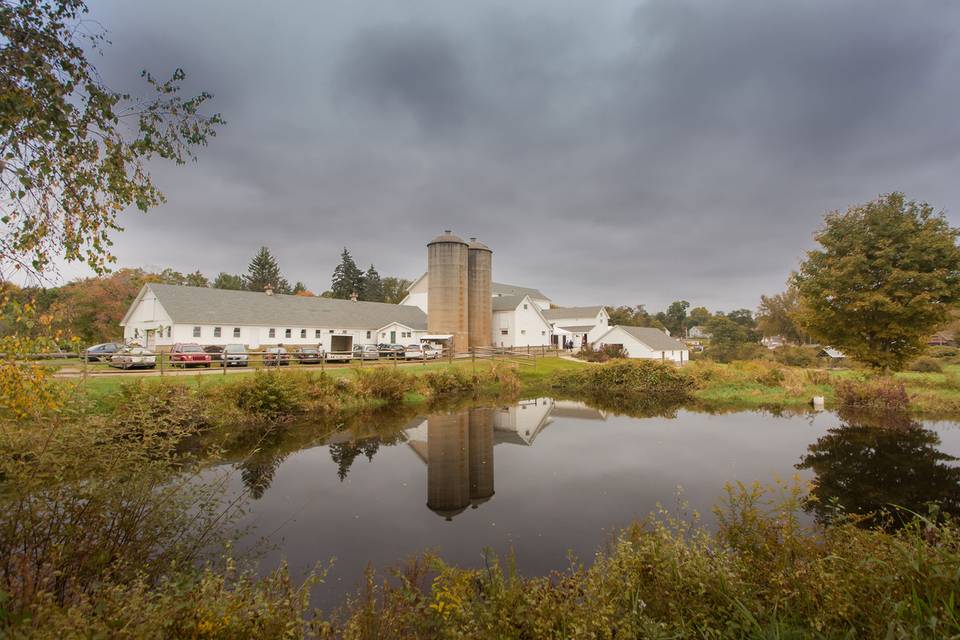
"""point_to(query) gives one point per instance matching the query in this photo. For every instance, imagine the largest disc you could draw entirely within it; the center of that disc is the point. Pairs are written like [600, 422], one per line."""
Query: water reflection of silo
[481, 455]
[448, 468]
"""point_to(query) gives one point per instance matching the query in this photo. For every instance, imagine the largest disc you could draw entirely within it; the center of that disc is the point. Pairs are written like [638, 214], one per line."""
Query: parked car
[276, 356]
[189, 355]
[391, 350]
[431, 352]
[308, 355]
[235, 355]
[101, 352]
[413, 352]
[366, 352]
[134, 358]
[215, 351]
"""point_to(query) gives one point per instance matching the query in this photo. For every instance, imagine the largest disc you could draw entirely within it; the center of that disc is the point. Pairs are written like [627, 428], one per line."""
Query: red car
[189, 355]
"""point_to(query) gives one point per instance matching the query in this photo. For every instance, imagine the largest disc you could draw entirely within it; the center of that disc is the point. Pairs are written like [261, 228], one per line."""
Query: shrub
[603, 354]
[626, 377]
[926, 364]
[796, 356]
[773, 377]
[944, 352]
[269, 394]
[382, 383]
[163, 408]
[450, 381]
[880, 394]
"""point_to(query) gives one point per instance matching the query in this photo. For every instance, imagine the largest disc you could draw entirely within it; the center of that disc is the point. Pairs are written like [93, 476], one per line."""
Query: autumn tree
[347, 277]
[395, 289]
[698, 317]
[263, 271]
[729, 340]
[885, 276]
[74, 152]
[777, 315]
[228, 281]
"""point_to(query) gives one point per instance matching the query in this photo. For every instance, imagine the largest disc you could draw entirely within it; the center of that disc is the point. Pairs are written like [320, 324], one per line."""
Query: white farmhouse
[519, 322]
[162, 315]
[645, 342]
[582, 325]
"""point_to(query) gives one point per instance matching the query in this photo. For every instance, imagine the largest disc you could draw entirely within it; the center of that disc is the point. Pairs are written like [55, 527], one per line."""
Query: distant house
[583, 325]
[833, 355]
[645, 342]
[698, 333]
[519, 322]
[772, 342]
[945, 338]
[162, 315]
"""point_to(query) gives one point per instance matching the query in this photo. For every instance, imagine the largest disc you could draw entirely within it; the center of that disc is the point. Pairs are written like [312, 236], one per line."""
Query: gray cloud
[628, 152]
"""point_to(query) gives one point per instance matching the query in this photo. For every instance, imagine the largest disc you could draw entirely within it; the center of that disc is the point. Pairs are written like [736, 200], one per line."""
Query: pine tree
[372, 286]
[228, 281]
[263, 271]
[347, 277]
[299, 287]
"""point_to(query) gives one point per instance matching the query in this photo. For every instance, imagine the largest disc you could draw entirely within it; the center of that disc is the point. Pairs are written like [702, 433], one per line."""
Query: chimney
[268, 289]
[354, 296]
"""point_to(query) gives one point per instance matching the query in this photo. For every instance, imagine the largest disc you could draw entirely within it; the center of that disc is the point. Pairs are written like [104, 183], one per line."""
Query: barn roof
[501, 289]
[559, 313]
[507, 303]
[202, 305]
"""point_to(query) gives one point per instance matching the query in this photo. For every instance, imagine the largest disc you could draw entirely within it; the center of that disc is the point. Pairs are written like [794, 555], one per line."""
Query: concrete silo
[448, 463]
[479, 294]
[447, 267]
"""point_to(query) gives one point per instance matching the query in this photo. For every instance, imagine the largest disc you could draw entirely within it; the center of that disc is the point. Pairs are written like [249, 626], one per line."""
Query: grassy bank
[714, 386]
[758, 573]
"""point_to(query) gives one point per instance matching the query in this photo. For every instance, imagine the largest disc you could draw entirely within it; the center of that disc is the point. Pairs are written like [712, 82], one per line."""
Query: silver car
[134, 358]
[366, 352]
[235, 355]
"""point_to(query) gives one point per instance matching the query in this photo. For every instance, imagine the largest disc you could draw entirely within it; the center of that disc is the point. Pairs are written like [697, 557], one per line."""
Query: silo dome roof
[476, 244]
[446, 236]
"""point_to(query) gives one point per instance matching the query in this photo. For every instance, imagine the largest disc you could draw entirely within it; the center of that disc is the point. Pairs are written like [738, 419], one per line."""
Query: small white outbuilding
[645, 342]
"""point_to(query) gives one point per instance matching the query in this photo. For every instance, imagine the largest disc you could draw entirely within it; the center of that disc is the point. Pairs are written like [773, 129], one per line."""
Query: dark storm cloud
[627, 152]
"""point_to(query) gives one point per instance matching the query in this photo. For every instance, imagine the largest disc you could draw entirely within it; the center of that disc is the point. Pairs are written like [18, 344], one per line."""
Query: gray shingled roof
[561, 313]
[653, 338]
[201, 305]
[507, 303]
[501, 289]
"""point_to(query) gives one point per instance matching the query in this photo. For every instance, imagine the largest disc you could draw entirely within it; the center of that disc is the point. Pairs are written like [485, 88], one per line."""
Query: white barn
[645, 342]
[581, 324]
[519, 322]
[162, 315]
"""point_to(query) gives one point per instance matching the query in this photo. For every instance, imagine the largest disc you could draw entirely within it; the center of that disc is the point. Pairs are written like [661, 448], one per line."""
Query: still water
[547, 477]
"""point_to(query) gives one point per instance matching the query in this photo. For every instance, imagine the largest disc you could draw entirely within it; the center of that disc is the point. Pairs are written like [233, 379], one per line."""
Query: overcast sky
[609, 152]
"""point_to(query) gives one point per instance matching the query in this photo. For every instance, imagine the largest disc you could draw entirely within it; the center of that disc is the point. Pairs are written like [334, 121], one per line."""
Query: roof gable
[560, 313]
[654, 338]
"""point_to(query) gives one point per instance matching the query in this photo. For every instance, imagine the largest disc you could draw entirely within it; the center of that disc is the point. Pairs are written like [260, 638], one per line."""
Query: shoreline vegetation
[111, 529]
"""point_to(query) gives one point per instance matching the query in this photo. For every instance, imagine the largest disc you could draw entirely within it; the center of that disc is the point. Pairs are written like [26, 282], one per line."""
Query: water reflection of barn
[458, 447]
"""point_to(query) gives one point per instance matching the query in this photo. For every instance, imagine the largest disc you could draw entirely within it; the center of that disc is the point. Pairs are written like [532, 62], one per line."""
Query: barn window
[287, 333]
[196, 332]
[543, 333]
[168, 331]
[317, 333]
[236, 332]
[303, 333]
[216, 332]
[272, 333]
[368, 335]
[504, 332]
[523, 332]
[524, 307]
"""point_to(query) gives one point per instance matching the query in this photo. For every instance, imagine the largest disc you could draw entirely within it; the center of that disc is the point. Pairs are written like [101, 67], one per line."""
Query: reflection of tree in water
[257, 472]
[344, 453]
[870, 469]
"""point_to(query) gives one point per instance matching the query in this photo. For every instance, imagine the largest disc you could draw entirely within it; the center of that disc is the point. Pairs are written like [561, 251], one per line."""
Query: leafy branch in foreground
[73, 152]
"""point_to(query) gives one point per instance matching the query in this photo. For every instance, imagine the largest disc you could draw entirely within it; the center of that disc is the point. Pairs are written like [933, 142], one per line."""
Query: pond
[547, 478]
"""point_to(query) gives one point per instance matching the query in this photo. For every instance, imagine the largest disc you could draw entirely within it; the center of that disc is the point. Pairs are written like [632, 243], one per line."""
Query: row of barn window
[287, 333]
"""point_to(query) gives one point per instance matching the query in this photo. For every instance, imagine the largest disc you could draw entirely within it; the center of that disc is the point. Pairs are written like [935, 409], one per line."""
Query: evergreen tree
[299, 287]
[347, 277]
[228, 281]
[263, 271]
[372, 286]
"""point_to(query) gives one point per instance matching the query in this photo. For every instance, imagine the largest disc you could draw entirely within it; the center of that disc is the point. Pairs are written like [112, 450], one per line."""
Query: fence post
[85, 358]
